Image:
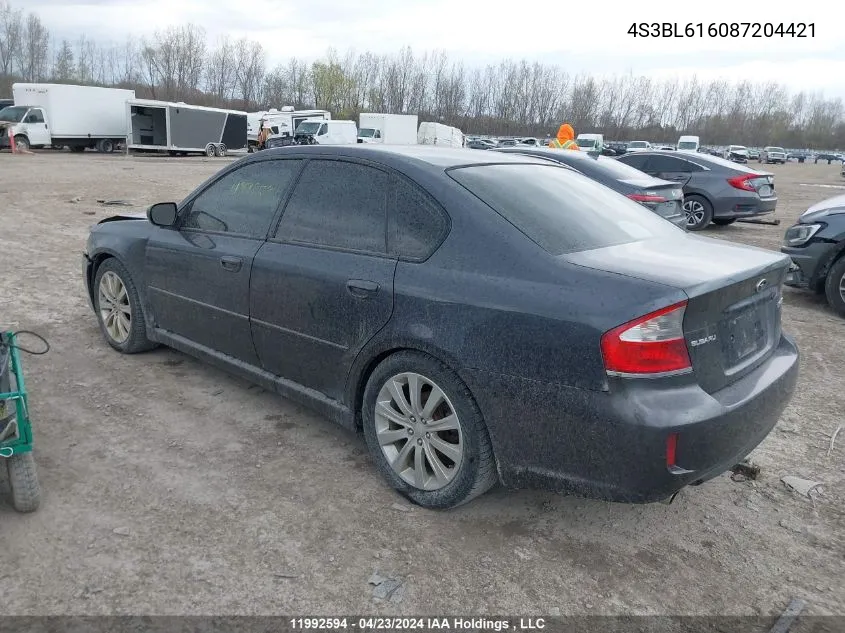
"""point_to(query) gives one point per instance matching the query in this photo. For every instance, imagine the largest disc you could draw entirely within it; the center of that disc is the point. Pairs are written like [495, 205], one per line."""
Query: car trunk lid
[732, 322]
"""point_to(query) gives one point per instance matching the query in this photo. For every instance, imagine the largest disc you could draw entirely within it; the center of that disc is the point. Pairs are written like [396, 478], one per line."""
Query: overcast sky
[582, 36]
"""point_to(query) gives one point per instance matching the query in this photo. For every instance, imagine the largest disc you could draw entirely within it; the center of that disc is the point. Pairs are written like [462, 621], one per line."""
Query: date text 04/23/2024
[724, 29]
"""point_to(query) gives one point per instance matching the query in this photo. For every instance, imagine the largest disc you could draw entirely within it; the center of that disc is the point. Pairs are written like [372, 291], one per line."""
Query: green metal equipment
[15, 426]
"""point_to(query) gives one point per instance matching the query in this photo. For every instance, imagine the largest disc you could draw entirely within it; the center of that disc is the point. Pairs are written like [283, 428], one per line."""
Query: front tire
[23, 482]
[699, 212]
[210, 150]
[119, 309]
[834, 287]
[425, 432]
[22, 143]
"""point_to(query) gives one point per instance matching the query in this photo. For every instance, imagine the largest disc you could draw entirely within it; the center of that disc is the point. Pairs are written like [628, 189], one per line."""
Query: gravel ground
[172, 488]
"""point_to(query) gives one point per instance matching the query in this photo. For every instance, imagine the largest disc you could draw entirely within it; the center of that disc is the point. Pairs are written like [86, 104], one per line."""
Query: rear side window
[340, 205]
[666, 164]
[561, 211]
[415, 223]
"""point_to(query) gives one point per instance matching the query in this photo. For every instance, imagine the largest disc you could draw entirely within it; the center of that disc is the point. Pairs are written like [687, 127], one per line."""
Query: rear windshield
[636, 144]
[562, 211]
[619, 170]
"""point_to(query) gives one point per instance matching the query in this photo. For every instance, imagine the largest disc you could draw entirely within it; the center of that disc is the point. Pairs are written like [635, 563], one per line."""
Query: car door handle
[362, 288]
[232, 264]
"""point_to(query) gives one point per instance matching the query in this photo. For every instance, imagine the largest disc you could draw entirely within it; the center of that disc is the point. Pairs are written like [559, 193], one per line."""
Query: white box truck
[388, 129]
[59, 115]
[439, 134]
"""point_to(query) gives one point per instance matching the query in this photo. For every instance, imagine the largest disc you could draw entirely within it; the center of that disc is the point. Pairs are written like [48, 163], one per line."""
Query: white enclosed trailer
[439, 134]
[60, 115]
[389, 129]
[180, 128]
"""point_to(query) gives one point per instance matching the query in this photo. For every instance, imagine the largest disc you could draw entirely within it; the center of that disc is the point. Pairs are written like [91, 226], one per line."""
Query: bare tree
[63, 68]
[34, 50]
[250, 60]
[173, 61]
[11, 26]
[220, 71]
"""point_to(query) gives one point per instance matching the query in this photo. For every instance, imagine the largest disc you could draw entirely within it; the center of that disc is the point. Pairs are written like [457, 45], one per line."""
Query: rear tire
[723, 221]
[23, 482]
[105, 146]
[210, 150]
[220, 150]
[699, 212]
[834, 286]
[455, 464]
[118, 309]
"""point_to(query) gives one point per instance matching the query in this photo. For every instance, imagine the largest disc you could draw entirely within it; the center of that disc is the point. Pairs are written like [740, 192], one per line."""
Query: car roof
[422, 155]
[705, 159]
[546, 152]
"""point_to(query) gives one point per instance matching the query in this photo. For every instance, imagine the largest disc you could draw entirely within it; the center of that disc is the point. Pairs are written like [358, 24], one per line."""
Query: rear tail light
[650, 345]
[742, 182]
[642, 197]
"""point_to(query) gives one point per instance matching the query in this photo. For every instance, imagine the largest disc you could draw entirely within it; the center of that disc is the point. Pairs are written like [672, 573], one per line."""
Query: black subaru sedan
[478, 317]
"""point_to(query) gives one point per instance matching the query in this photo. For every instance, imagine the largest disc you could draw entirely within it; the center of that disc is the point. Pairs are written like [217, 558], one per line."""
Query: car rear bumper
[807, 262]
[742, 206]
[612, 445]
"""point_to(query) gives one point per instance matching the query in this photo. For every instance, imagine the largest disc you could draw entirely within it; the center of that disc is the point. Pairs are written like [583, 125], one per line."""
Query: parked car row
[478, 317]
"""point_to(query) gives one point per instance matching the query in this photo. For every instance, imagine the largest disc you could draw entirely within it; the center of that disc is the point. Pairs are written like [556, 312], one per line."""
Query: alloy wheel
[695, 212]
[115, 311]
[419, 431]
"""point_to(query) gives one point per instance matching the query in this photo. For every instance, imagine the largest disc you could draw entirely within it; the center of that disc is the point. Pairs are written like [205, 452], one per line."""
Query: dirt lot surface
[172, 488]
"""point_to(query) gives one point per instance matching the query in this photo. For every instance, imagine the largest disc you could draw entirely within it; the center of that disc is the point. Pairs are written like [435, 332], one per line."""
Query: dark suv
[816, 245]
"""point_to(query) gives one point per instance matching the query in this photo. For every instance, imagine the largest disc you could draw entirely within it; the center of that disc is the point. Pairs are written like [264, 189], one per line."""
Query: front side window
[35, 116]
[340, 205]
[243, 201]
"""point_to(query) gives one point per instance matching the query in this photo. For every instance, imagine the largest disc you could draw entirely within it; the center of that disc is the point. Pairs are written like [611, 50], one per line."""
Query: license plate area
[746, 334]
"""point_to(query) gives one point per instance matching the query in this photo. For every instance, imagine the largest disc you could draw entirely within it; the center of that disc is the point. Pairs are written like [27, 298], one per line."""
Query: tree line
[513, 97]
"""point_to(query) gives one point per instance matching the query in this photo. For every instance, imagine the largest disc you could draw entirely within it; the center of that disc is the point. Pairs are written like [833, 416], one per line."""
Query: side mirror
[162, 214]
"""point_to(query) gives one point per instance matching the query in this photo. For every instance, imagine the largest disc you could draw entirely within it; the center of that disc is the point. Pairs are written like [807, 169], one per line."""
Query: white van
[592, 143]
[688, 144]
[328, 132]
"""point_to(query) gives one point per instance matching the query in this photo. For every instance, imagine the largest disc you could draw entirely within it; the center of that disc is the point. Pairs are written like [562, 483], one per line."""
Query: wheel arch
[700, 193]
[368, 360]
[96, 261]
[836, 254]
